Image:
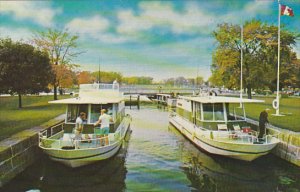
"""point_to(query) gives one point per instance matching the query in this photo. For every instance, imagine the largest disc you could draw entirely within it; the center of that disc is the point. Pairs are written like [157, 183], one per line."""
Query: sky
[161, 39]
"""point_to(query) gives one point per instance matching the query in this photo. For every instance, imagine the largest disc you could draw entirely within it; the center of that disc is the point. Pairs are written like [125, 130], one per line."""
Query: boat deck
[67, 141]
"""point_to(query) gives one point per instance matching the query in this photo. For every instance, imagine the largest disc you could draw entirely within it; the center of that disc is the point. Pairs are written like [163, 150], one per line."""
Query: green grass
[287, 106]
[35, 111]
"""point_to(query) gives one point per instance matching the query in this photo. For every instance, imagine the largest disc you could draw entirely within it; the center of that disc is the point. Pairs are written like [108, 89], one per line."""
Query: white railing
[98, 86]
[94, 142]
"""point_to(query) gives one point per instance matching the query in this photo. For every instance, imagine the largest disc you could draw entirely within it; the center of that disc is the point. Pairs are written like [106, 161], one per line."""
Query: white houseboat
[166, 100]
[218, 125]
[60, 144]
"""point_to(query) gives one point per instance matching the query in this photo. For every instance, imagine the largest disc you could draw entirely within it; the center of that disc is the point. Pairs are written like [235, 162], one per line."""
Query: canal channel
[156, 157]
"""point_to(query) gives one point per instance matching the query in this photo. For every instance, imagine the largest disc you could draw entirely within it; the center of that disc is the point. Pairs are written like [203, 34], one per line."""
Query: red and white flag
[285, 10]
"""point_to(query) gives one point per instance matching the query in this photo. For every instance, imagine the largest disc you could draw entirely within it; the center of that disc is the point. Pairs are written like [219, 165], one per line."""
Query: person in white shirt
[104, 119]
[79, 128]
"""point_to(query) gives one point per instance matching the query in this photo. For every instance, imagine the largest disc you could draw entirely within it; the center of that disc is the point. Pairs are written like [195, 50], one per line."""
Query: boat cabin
[92, 98]
[210, 112]
[166, 100]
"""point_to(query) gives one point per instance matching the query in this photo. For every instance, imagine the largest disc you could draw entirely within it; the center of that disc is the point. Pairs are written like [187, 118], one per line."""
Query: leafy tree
[66, 77]
[23, 69]
[62, 48]
[143, 80]
[85, 77]
[107, 77]
[196, 81]
[259, 53]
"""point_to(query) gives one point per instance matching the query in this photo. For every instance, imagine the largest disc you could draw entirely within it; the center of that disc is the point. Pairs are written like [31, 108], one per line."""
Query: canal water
[156, 157]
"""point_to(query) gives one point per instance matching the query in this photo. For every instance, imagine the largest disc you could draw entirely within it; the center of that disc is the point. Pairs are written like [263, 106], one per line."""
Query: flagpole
[278, 62]
[241, 91]
[99, 72]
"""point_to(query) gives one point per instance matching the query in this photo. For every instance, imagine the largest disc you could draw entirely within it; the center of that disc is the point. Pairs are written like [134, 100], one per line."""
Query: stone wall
[21, 150]
[289, 146]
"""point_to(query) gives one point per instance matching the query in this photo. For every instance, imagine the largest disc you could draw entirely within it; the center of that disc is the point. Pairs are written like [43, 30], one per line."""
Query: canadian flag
[285, 10]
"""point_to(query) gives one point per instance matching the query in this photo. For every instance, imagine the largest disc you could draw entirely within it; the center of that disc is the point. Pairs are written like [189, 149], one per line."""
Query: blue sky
[162, 39]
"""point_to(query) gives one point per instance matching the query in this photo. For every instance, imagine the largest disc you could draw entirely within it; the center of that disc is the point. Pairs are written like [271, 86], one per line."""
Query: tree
[107, 77]
[259, 53]
[23, 69]
[67, 77]
[85, 77]
[142, 80]
[62, 48]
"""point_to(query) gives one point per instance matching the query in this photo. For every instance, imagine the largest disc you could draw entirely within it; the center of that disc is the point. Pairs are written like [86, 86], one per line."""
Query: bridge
[155, 89]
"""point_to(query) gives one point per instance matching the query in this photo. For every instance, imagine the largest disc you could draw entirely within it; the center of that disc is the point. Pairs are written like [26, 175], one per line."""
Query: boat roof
[220, 99]
[96, 93]
[88, 100]
[163, 94]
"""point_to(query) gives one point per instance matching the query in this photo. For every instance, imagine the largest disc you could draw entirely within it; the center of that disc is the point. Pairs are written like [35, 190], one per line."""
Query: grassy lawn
[287, 106]
[35, 111]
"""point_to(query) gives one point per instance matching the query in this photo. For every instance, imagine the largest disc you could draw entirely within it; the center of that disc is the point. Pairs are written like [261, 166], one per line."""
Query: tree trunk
[249, 91]
[55, 92]
[20, 100]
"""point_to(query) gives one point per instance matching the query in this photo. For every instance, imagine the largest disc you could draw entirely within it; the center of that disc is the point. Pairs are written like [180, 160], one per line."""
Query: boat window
[198, 111]
[74, 110]
[208, 111]
[234, 112]
[95, 111]
[219, 111]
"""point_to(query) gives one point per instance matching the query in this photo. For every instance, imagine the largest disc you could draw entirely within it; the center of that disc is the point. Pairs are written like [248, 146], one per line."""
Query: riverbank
[21, 150]
[35, 112]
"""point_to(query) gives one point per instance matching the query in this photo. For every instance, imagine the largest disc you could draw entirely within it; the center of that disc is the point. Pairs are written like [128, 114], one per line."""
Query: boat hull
[80, 157]
[247, 151]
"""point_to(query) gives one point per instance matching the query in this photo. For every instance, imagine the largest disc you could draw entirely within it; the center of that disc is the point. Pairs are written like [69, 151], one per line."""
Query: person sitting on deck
[104, 119]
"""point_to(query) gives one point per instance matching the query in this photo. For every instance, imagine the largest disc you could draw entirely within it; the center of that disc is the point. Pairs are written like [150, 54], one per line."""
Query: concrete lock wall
[21, 150]
[289, 146]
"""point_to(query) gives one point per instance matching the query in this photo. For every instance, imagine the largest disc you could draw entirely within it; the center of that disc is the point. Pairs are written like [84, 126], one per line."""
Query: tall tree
[259, 53]
[85, 77]
[23, 69]
[108, 77]
[62, 48]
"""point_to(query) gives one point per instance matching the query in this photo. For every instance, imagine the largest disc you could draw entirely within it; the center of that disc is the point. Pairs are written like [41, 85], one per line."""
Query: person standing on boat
[79, 128]
[104, 119]
[263, 119]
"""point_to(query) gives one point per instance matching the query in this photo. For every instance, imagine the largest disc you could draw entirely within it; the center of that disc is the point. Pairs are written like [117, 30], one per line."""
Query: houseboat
[60, 143]
[219, 126]
[166, 100]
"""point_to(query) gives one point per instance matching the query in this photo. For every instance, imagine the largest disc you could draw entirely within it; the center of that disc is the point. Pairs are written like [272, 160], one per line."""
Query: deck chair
[222, 130]
[236, 128]
[236, 133]
[222, 127]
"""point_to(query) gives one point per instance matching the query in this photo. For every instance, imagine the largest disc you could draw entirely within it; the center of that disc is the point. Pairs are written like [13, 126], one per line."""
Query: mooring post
[130, 101]
[138, 102]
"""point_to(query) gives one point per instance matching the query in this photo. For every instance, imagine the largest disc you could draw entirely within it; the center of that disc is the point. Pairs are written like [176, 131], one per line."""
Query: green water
[156, 157]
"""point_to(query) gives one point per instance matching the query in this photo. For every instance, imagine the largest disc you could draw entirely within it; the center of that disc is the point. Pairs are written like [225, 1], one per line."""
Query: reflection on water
[158, 158]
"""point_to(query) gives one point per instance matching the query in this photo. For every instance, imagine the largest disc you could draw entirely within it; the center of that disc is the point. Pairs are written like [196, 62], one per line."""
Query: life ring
[275, 104]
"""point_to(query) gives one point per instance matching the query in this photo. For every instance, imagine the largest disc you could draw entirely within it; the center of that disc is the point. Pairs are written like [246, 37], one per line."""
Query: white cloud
[192, 19]
[95, 27]
[250, 10]
[161, 14]
[36, 11]
[15, 33]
